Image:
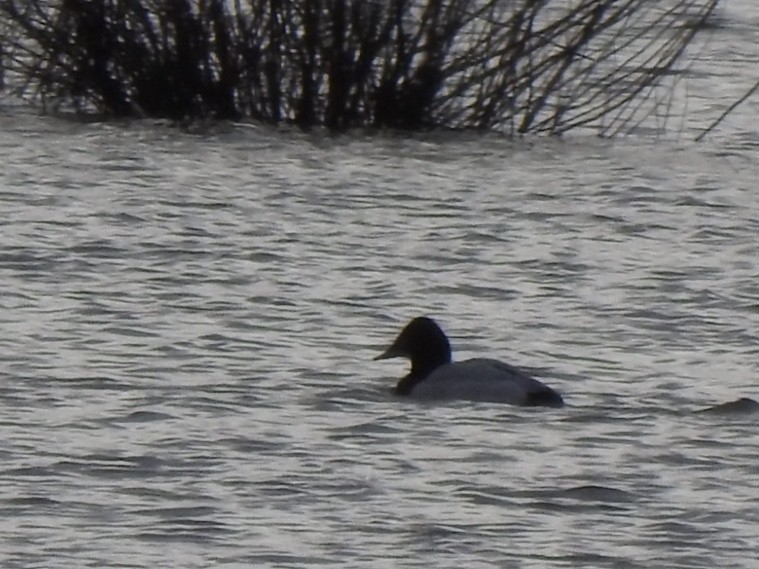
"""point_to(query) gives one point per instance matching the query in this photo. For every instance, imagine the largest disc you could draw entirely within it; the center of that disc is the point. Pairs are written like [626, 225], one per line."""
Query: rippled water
[188, 323]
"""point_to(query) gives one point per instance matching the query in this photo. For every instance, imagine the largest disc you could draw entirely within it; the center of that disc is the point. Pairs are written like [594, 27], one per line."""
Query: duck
[434, 376]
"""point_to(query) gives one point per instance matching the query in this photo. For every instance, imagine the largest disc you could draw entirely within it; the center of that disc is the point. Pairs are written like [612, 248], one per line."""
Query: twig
[729, 110]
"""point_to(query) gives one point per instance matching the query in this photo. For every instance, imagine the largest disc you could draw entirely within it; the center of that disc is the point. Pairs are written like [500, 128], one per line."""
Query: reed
[517, 66]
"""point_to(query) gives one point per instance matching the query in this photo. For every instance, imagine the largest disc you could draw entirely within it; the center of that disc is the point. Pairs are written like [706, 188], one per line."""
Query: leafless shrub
[517, 66]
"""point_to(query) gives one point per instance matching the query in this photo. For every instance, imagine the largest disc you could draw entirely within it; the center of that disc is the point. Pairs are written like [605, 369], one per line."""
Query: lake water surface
[188, 324]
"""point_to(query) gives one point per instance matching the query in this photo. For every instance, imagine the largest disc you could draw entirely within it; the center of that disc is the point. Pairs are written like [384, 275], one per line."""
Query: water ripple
[188, 326]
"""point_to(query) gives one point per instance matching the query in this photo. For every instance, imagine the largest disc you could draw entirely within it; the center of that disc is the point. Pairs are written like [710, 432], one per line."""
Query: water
[188, 323]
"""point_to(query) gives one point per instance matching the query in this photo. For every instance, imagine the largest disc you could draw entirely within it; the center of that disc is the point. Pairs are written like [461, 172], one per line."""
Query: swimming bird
[434, 376]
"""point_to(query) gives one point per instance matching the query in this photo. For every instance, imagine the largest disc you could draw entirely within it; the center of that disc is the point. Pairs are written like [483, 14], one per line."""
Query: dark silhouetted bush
[516, 66]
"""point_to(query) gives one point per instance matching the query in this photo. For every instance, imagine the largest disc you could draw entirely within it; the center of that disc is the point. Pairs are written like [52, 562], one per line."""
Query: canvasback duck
[434, 376]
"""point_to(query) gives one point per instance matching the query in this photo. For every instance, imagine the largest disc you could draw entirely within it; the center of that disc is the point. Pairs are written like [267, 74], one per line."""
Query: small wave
[582, 498]
[145, 417]
[741, 406]
[36, 501]
[593, 493]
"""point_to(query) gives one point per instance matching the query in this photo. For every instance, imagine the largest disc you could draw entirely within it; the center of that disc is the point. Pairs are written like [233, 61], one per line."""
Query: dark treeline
[511, 65]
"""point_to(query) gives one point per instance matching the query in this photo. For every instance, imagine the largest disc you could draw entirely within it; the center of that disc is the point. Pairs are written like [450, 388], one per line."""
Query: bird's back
[483, 379]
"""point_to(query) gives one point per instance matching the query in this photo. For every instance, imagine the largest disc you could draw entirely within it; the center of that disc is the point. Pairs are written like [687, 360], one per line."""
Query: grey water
[187, 327]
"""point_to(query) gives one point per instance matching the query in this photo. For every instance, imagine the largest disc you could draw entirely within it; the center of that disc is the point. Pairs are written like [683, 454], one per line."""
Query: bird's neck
[420, 369]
